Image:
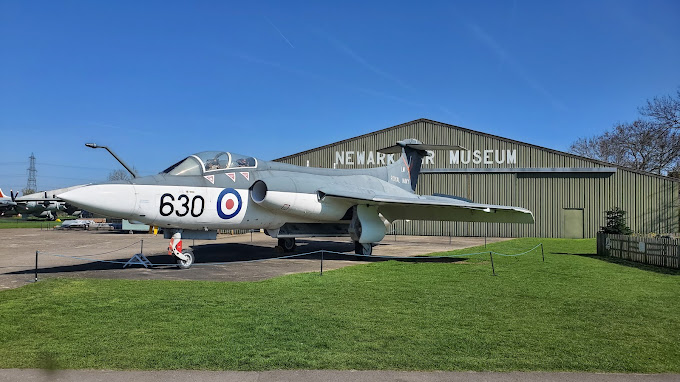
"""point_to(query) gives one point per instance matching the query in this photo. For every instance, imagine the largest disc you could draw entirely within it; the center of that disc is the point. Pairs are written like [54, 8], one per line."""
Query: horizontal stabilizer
[397, 148]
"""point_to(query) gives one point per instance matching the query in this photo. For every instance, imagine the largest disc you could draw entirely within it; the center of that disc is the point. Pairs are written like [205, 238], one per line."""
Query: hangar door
[572, 223]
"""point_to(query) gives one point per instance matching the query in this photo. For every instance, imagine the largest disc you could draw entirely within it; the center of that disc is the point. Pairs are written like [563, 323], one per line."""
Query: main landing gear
[365, 249]
[287, 245]
[184, 257]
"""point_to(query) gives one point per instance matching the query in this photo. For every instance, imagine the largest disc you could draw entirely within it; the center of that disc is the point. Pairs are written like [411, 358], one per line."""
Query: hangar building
[568, 194]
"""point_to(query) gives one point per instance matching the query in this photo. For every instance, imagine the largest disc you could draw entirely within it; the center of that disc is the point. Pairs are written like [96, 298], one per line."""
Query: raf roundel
[228, 203]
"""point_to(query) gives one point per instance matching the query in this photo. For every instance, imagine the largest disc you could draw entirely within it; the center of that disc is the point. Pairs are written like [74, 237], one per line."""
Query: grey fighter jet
[214, 190]
[40, 204]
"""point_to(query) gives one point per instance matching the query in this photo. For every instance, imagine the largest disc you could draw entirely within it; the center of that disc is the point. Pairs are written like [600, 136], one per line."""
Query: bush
[616, 223]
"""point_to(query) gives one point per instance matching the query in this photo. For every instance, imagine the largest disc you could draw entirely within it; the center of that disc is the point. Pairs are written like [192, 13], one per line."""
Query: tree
[616, 223]
[650, 143]
[120, 175]
[665, 110]
[675, 172]
[28, 191]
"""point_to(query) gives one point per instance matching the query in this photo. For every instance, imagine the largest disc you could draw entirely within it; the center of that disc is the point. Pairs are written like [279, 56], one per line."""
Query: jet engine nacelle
[367, 226]
[294, 197]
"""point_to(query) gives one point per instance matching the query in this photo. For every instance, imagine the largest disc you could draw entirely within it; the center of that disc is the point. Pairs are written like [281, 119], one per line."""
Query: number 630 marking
[167, 208]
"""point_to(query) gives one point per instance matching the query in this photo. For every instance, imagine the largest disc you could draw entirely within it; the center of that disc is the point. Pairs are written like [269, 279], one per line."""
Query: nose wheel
[287, 245]
[188, 261]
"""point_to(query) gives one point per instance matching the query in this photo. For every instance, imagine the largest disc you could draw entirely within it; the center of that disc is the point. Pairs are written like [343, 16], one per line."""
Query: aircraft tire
[288, 244]
[363, 249]
[182, 264]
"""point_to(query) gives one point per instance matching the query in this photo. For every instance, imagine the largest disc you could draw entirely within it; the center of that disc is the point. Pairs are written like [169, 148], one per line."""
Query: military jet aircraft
[38, 204]
[214, 190]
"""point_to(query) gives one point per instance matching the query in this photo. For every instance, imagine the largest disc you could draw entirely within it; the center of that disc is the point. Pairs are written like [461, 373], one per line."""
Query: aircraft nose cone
[113, 200]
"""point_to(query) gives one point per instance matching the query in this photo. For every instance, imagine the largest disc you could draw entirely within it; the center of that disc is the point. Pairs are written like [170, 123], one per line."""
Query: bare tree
[120, 175]
[649, 144]
[664, 110]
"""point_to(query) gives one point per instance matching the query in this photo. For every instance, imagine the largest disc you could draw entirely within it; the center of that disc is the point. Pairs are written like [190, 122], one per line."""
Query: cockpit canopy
[208, 161]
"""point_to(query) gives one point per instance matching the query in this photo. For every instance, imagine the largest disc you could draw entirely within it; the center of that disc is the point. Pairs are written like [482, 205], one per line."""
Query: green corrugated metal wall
[651, 201]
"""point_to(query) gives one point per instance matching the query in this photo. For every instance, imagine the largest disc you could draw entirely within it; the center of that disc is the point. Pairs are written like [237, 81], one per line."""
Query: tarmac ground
[80, 253]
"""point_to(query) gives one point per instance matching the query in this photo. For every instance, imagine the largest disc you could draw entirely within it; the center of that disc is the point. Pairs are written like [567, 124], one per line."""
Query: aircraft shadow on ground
[225, 253]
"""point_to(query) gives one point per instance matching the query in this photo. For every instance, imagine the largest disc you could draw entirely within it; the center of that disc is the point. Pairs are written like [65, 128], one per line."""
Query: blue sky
[158, 80]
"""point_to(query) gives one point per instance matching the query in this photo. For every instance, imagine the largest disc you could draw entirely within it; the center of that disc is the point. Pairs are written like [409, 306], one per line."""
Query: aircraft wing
[421, 207]
[6, 205]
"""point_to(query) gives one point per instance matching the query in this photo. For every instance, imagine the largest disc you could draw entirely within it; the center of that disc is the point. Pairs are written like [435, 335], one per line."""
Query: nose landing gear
[184, 257]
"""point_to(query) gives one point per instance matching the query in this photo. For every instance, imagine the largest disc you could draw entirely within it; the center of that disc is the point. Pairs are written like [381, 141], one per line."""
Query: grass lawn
[23, 223]
[571, 313]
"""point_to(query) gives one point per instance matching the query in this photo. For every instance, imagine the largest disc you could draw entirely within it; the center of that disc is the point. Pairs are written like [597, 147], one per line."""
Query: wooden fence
[663, 252]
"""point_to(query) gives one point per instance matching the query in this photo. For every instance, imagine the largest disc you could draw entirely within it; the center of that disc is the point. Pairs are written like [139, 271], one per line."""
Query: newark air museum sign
[455, 157]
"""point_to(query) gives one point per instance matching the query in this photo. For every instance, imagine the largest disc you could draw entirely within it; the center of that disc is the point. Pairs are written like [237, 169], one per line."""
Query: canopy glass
[209, 161]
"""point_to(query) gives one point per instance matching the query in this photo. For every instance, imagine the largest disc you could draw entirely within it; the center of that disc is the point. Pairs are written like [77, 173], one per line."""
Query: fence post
[542, 255]
[36, 266]
[321, 273]
[492, 267]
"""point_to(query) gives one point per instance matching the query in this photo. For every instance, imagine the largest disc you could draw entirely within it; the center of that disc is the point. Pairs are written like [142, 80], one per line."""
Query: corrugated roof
[485, 135]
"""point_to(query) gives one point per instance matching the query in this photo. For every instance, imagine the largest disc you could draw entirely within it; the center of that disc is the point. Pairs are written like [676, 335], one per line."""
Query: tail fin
[1, 194]
[404, 172]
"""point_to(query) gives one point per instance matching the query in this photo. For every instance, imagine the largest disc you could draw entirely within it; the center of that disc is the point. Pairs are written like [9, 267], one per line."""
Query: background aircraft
[7, 202]
[220, 190]
[43, 204]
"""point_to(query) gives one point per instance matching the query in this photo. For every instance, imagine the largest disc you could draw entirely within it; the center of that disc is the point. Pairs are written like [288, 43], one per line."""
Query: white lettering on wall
[464, 159]
[370, 160]
[339, 157]
[380, 158]
[500, 156]
[429, 159]
[456, 157]
[483, 156]
[477, 157]
[348, 157]
[487, 156]
[361, 155]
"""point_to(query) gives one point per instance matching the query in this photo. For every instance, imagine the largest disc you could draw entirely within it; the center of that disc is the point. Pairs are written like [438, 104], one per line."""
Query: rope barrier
[518, 254]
